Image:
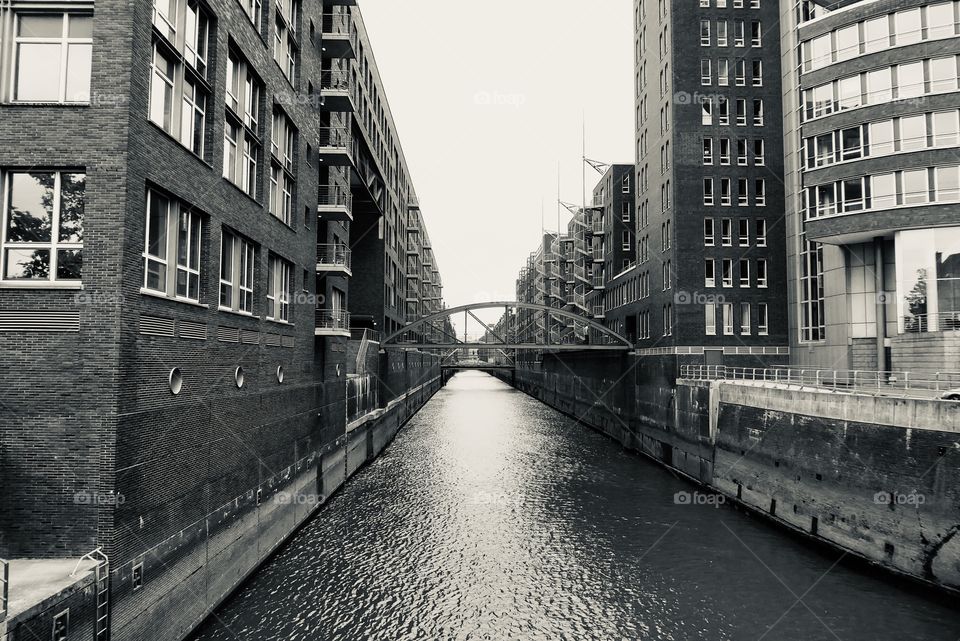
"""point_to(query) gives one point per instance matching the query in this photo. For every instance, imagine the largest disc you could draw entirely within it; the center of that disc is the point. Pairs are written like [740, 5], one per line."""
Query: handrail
[336, 79]
[335, 196]
[90, 556]
[334, 254]
[335, 137]
[332, 319]
[835, 380]
[931, 322]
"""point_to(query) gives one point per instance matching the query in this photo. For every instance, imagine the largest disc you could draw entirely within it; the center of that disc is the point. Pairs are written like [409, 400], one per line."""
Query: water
[491, 516]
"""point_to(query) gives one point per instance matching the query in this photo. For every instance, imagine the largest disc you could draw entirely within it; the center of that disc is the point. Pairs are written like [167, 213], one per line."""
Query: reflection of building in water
[872, 125]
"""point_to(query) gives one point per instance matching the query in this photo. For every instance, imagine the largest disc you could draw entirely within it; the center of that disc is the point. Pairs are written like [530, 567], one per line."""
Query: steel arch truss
[511, 333]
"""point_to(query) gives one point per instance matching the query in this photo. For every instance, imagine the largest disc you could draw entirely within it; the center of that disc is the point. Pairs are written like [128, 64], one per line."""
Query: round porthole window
[238, 376]
[280, 373]
[176, 380]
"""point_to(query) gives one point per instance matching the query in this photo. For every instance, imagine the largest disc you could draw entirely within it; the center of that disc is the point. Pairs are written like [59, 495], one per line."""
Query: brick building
[181, 223]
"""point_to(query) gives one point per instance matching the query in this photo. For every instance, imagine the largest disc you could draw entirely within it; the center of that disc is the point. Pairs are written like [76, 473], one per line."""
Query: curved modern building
[873, 183]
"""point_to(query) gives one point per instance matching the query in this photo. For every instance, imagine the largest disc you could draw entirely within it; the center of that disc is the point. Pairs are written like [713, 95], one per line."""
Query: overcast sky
[488, 98]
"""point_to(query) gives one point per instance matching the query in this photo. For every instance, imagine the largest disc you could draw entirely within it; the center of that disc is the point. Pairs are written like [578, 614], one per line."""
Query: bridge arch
[614, 341]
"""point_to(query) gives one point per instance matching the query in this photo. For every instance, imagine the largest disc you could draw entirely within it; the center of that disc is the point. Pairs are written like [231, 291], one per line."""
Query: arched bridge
[522, 327]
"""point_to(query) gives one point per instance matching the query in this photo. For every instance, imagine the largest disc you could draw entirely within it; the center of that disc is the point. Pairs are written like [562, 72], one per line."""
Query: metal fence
[926, 384]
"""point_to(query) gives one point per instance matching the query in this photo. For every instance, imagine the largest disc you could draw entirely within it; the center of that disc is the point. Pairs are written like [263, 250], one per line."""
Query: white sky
[488, 98]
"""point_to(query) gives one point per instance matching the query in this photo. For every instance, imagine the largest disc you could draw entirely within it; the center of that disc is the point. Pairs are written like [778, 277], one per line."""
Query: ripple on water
[492, 516]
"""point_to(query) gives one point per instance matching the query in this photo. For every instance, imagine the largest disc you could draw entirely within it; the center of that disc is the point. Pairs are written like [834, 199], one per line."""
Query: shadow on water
[492, 516]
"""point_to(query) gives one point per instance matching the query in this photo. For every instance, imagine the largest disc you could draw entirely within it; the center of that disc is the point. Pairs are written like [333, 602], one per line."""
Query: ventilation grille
[287, 341]
[248, 337]
[40, 321]
[228, 334]
[193, 331]
[153, 326]
[273, 340]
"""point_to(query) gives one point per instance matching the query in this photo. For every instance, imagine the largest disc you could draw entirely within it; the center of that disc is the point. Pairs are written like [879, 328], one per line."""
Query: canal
[492, 516]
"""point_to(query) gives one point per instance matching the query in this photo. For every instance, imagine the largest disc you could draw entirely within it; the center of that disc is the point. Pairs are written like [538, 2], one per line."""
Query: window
[282, 177]
[883, 191]
[741, 152]
[706, 112]
[727, 275]
[745, 325]
[761, 233]
[237, 262]
[625, 243]
[741, 112]
[945, 129]
[910, 80]
[725, 197]
[761, 272]
[726, 232]
[625, 212]
[42, 237]
[61, 626]
[285, 47]
[943, 74]
[907, 27]
[705, 73]
[625, 184]
[278, 289]
[849, 93]
[241, 141]
[881, 138]
[879, 86]
[757, 73]
[948, 184]
[721, 33]
[915, 189]
[756, 35]
[52, 57]
[758, 152]
[173, 248]
[178, 72]
[848, 42]
[760, 192]
[708, 191]
[745, 273]
[876, 34]
[758, 112]
[743, 229]
[940, 20]
[704, 33]
[851, 143]
[727, 319]
[724, 151]
[254, 10]
[812, 323]
[709, 273]
[723, 111]
[740, 73]
[763, 320]
[708, 232]
[743, 197]
[708, 151]
[710, 318]
[738, 40]
[723, 72]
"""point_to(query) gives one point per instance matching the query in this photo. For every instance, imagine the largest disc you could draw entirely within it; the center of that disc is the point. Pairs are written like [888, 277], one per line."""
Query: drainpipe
[878, 267]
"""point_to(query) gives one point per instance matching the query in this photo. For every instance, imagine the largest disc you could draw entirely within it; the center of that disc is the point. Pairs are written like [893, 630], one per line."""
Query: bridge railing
[901, 382]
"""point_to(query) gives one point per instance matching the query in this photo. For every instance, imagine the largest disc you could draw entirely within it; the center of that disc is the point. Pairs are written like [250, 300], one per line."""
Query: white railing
[334, 254]
[934, 322]
[335, 137]
[333, 319]
[837, 380]
[335, 80]
[336, 196]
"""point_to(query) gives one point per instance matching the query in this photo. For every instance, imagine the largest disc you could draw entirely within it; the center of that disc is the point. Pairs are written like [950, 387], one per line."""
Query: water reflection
[494, 517]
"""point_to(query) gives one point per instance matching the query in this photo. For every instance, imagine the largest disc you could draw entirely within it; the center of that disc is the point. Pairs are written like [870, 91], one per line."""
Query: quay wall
[877, 477]
[186, 576]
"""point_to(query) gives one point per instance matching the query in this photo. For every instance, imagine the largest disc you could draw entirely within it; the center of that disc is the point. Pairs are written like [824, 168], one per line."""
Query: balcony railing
[934, 322]
[337, 24]
[335, 80]
[598, 311]
[333, 255]
[597, 227]
[336, 196]
[333, 320]
[599, 282]
[335, 137]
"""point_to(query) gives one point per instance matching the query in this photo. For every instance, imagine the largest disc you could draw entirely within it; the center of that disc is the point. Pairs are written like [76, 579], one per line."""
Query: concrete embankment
[877, 477]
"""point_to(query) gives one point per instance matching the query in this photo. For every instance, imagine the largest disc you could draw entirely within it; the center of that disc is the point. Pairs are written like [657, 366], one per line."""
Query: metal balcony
[597, 253]
[336, 91]
[335, 203]
[335, 259]
[335, 147]
[581, 273]
[332, 322]
[598, 311]
[338, 39]
[597, 227]
[599, 282]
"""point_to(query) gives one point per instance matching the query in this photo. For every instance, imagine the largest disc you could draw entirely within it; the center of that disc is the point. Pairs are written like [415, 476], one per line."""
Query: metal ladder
[101, 573]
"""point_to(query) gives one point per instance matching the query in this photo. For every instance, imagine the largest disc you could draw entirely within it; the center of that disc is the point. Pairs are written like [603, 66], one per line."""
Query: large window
[237, 262]
[282, 175]
[51, 56]
[812, 324]
[172, 256]
[241, 139]
[285, 48]
[43, 226]
[178, 72]
[278, 289]
[928, 279]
